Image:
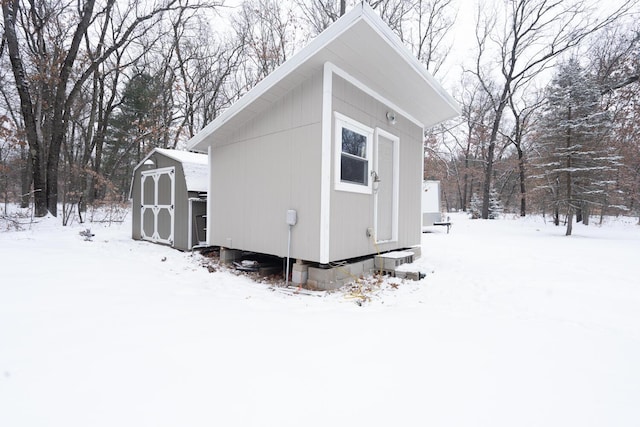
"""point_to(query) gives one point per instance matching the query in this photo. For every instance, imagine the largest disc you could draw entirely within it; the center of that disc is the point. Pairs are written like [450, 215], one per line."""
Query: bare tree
[204, 63]
[532, 35]
[428, 37]
[615, 60]
[470, 140]
[53, 34]
[270, 36]
[524, 116]
[319, 14]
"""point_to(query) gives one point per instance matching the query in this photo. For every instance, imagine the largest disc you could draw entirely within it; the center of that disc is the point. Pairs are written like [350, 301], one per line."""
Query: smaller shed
[169, 198]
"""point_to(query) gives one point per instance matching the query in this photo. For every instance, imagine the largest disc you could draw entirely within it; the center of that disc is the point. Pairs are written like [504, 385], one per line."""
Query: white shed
[335, 135]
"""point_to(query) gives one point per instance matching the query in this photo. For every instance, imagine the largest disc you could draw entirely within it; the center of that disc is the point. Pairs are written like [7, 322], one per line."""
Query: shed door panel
[385, 198]
[158, 205]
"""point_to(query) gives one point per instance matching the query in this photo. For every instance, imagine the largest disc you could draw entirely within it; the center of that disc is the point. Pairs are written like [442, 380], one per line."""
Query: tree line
[89, 88]
[549, 114]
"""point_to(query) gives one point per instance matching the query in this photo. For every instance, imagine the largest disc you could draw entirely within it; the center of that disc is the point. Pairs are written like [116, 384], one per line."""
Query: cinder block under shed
[335, 276]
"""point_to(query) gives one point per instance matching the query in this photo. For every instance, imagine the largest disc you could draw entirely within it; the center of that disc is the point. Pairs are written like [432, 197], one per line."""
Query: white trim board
[325, 166]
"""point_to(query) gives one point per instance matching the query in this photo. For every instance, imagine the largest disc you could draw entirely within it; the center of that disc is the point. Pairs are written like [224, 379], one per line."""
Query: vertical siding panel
[269, 166]
[181, 209]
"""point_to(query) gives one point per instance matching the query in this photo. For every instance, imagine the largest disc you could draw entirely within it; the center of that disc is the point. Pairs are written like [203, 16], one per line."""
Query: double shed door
[158, 205]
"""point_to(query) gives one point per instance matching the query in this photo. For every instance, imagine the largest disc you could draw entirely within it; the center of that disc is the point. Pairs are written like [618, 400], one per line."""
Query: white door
[385, 186]
[158, 205]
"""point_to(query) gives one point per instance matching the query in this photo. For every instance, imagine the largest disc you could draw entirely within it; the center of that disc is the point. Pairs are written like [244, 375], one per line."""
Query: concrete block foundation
[299, 273]
[228, 256]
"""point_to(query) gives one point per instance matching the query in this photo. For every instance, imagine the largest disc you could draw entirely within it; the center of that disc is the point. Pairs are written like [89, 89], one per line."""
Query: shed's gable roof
[362, 45]
[194, 165]
[184, 156]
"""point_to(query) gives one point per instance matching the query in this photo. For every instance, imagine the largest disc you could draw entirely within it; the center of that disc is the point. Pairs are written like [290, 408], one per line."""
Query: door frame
[395, 184]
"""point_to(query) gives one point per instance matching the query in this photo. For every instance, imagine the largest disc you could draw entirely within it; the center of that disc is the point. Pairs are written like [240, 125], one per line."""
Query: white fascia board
[324, 38]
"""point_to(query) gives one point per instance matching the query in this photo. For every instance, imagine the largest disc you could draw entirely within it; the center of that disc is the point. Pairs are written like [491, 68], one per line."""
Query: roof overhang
[362, 45]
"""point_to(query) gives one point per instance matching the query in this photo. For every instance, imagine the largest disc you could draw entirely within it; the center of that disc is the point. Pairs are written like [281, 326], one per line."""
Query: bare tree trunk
[569, 221]
[25, 178]
[569, 183]
[62, 107]
[10, 12]
[585, 215]
[521, 177]
[488, 171]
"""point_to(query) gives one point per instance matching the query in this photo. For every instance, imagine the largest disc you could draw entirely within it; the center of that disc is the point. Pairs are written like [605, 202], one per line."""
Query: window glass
[354, 164]
[354, 143]
[354, 170]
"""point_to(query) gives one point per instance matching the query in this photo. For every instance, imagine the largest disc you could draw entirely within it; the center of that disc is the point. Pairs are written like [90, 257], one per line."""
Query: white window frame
[344, 122]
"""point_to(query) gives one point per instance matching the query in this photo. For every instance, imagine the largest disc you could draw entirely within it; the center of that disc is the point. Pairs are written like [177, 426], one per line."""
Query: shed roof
[361, 44]
[194, 165]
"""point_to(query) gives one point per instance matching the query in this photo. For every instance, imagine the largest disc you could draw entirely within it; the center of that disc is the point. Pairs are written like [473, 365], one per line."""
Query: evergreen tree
[135, 129]
[576, 160]
[495, 205]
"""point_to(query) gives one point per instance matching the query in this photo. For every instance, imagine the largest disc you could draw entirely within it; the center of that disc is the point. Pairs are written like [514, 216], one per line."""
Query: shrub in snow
[475, 207]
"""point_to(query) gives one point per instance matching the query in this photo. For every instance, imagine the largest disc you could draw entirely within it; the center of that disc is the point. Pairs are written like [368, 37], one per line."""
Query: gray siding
[352, 213]
[268, 167]
[181, 214]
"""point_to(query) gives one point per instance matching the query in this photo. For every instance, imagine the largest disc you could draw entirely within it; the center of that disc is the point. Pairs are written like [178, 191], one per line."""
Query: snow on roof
[194, 165]
[184, 156]
[196, 176]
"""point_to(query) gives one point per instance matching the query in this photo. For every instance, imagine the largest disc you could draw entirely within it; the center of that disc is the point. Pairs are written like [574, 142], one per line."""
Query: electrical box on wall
[292, 217]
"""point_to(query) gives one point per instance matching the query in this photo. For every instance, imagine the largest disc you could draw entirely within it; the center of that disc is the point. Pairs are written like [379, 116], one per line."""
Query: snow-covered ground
[515, 325]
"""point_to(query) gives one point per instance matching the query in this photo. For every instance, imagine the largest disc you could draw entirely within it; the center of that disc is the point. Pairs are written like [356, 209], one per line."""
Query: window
[353, 155]
[354, 163]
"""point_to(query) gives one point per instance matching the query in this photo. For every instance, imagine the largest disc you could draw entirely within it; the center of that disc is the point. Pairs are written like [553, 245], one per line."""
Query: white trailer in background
[431, 212]
[431, 203]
